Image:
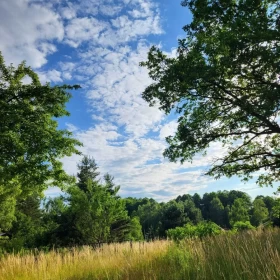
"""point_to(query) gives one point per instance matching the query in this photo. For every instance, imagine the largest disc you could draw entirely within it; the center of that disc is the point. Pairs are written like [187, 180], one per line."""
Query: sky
[99, 45]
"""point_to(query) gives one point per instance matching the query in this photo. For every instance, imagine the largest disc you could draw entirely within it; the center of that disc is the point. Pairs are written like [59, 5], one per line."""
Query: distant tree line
[90, 212]
[224, 208]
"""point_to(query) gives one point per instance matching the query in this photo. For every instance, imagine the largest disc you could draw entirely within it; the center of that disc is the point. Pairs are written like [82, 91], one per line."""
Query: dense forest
[90, 212]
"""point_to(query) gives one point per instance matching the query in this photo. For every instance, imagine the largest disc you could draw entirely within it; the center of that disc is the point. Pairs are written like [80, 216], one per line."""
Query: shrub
[241, 226]
[191, 231]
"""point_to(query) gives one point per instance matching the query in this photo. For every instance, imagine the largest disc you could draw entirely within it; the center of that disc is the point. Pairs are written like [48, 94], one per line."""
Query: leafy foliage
[190, 231]
[30, 142]
[259, 213]
[239, 212]
[217, 212]
[224, 84]
[241, 226]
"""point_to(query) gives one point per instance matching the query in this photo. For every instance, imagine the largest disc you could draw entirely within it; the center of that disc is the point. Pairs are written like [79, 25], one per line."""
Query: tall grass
[253, 255]
[114, 261]
[246, 256]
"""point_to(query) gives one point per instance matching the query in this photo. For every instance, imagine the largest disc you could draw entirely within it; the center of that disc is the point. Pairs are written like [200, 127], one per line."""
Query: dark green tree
[224, 84]
[197, 200]
[59, 222]
[217, 212]
[269, 202]
[233, 195]
[276, 212]
[173, 215]
[98, 215]
[205, 204]
[259, 212]
[132, 204]
[150, 216]
[192, 213]
[224, 197]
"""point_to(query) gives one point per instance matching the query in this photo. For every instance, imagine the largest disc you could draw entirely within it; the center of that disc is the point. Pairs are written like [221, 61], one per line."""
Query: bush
[241, 226]
[191, 231]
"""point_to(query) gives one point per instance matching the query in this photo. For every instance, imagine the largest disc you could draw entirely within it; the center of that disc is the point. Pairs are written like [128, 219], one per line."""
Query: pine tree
[87, 172]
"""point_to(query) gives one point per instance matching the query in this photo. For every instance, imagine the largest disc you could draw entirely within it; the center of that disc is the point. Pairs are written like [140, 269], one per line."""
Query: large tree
[30, 142]
[224, 84]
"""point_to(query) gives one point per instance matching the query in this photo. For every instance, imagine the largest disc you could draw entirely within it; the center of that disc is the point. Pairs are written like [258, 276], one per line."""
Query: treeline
[90, 212]
[227, 209]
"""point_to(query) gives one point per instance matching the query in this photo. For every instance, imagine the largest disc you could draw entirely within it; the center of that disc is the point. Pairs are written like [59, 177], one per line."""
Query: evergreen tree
[87, 172]
[99, 216]
[110, 185]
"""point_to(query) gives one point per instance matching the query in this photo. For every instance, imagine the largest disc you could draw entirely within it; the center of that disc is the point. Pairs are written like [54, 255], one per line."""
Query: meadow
[244, 256]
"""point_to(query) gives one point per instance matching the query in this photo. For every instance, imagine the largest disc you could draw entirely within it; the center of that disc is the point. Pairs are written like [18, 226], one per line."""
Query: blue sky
[99, 44]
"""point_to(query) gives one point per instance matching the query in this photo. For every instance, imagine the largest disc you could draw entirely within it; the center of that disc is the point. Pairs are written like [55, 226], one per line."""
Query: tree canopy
[224, 84]
[30, 141]
[31, 144]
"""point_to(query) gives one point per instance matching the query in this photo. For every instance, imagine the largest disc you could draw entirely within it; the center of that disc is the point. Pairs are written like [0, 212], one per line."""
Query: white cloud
[68, 12]
[50, 76]
[71, 127]
[83, 29]
[168, 129]
[120, 139]
[26, 31]
[126, 136]
[120, 29]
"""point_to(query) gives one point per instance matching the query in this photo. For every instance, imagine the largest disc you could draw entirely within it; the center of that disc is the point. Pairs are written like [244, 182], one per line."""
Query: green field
[251, 255]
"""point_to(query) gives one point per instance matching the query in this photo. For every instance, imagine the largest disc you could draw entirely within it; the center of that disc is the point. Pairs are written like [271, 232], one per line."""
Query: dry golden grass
[113, 261]
[247, 256]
